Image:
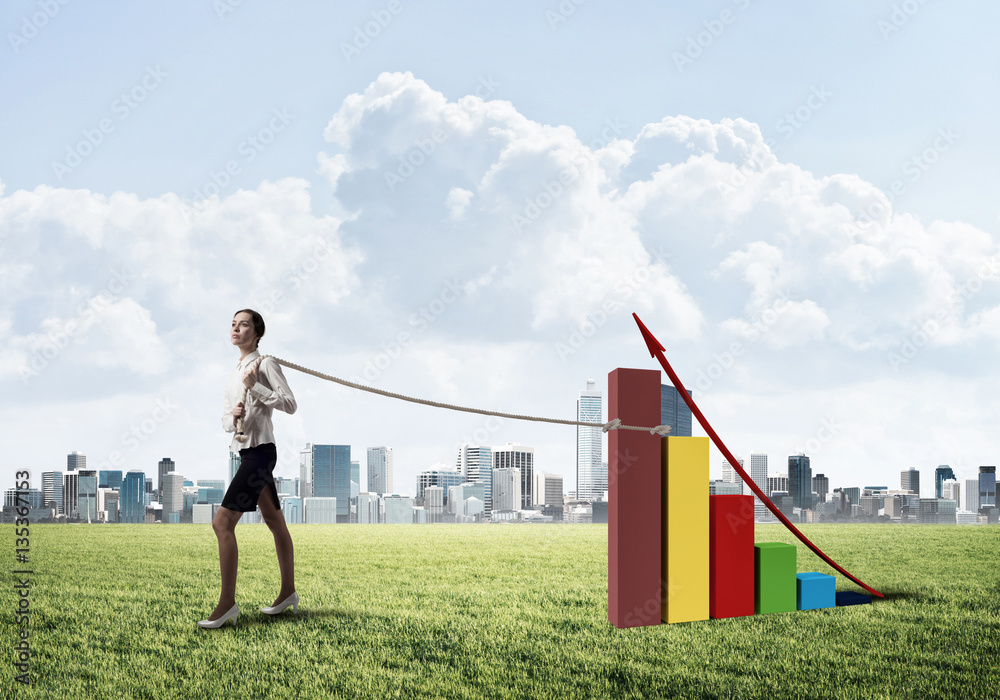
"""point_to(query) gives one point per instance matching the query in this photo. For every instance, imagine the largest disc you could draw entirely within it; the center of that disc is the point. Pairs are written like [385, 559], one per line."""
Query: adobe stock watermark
[481, 435]
[563, 11]
[916, 340]
[33, 24]
[225, 7]
[427, 146]
[900, 15]
[364, 34]
[249, 148]
[58, 339]
[295, 277]
[121, 107]
[788, 125]
[420, 320]
[698, 43]
[826, 432]
[611, 303]
[913, 168]
[163, 409]
[760, 323]
[551, 190]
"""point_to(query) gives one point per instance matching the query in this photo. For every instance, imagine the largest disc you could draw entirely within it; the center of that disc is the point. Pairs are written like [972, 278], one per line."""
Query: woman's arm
[279, 396]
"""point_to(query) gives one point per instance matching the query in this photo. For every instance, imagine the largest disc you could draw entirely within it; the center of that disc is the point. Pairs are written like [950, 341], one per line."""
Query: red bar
[730, 556]
[634, 584]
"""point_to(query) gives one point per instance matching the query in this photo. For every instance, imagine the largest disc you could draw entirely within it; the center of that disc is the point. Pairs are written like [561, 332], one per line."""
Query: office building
[674, 411]
[909, 480]
[305, 471]
[987, 488]
[130, 501]
[320, 509]
[438, 475]
[972, 495]
[591, 474]
[800, 481]
[515, 456]
[369, 508]
[821, 485]
[52, 491]
[398, 509]
[776, 482]
[476, 464]
[758, 474]
[109, 479]
[166, 466]
[87, 495]
[331, 476]
[942, 473]
[547, 489]
[434, 502]
[171, 495]
[724, 488]
[950, 490]
[506, 489]
[731, 476]
[380, 477]
[71, 491]
[76, 461]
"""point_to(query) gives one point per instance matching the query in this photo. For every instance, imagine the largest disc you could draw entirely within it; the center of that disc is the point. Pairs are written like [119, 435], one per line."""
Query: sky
[466, 203]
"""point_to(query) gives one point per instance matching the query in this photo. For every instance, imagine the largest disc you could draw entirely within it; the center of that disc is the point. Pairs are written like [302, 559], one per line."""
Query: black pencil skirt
[253, 476]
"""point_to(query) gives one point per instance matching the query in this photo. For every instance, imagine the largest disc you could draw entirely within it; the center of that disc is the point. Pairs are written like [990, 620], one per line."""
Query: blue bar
[814, 590]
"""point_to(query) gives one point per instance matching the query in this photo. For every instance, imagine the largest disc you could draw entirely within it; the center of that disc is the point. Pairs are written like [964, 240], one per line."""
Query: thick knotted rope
[615, 424]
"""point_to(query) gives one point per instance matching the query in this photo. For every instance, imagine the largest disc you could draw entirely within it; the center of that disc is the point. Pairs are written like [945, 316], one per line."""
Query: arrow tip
[651, 343]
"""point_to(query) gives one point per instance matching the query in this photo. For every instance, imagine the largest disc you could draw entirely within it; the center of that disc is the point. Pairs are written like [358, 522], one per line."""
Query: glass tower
[800, 481]
[941, 474]
[332, 476]
[674, 412]
[591, 474]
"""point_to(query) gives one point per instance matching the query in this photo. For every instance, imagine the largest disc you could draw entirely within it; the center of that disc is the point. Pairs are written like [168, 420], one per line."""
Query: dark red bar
[730, 556]
[634, 586]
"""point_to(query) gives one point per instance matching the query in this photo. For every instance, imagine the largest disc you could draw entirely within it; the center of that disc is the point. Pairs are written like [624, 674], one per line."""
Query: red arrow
[656, 350]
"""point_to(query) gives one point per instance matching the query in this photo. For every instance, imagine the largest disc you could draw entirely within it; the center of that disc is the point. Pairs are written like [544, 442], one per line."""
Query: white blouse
[270, 392]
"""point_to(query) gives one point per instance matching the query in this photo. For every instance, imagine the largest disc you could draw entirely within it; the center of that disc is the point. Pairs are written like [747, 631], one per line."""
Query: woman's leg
[224, 525]
[275, 520]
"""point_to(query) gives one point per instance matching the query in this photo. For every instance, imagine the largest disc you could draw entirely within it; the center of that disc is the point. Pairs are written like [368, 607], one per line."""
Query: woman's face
[243, 333]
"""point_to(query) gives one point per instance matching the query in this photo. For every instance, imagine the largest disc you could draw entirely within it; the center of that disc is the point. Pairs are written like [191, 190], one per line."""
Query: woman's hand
[238, 411]
[250, 378]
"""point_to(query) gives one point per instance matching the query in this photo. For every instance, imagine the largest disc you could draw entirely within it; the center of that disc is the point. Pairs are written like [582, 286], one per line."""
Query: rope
[614, 424]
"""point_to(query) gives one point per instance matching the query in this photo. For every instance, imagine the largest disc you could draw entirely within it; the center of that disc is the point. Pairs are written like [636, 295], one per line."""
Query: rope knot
[660, 430]
[612, 425]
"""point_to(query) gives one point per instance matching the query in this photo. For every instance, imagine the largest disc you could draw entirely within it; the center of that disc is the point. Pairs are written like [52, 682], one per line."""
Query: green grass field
[487, 611]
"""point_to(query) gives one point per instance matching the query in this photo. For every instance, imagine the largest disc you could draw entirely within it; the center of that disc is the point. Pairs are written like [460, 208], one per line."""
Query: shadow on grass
[902, 595]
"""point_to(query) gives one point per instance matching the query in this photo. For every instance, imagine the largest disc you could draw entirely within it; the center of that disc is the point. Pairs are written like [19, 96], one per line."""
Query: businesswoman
[253, 485]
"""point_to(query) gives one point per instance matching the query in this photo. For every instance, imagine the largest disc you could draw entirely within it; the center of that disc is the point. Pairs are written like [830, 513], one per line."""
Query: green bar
[774, 572]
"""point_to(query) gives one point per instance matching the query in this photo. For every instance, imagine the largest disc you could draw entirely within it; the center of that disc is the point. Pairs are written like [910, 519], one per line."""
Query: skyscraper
[942, 473]
[52, 491]
[674, 412]
[730, 475]
[166, 465]
[987, 487]
[476, 463]
[172, 496]
[87, 495]
[800, 481]
[380, 479]
[591, 475]
[506, 489]
[76, 461]
[331, 466]
[439, 475]
[821, 485]
[758, 474]
[130, 500]
[514, 455]
[909, 480]
[71, 490]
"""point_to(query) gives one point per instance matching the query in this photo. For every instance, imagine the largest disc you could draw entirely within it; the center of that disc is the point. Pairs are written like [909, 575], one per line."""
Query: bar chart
[677, 553]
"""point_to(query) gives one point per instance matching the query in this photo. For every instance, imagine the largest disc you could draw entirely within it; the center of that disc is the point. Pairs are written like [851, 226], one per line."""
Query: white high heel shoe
[233, 612]
[292, 600]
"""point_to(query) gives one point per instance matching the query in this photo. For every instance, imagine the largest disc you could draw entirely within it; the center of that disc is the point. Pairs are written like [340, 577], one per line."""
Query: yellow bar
[684, 560]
